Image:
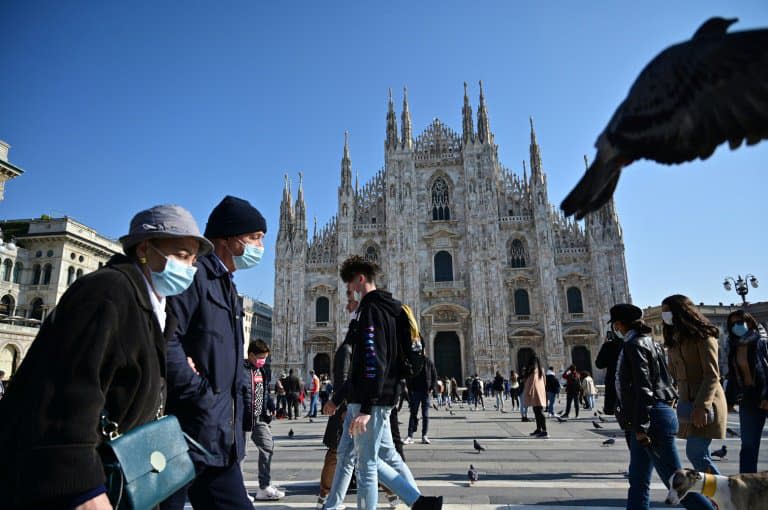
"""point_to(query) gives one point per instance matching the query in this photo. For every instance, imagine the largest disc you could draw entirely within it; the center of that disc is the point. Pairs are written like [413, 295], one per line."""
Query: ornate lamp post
[740, 284]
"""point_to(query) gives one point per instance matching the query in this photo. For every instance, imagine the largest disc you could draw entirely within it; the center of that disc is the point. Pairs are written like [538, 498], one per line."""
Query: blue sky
[112, 107]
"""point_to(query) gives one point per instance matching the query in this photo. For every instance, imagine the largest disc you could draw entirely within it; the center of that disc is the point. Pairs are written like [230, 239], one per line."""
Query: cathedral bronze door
[448, 355]
[322, 364]
[581, 358]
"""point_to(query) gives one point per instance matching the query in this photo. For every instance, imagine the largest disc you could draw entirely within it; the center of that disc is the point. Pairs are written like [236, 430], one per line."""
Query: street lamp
[740, 284]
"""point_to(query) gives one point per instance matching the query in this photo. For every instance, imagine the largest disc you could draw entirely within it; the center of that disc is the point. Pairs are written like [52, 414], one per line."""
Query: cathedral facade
[492, 270]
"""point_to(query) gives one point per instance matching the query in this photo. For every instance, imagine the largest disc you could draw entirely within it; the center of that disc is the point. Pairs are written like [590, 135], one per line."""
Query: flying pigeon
[721, 453]
[472, 474]
[731, 432]
[609, 441]
[560, 420]
[478, 446]
[689, 99]
[596, 425]
[290, 433]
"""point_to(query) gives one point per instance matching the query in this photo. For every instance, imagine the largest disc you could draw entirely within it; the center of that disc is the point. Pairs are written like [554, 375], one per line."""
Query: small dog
[736, 492]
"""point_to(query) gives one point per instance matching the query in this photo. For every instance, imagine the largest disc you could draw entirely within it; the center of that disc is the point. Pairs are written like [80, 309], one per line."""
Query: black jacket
[268, 405]
[342, 364]
[102, 347]
[209, 406]
[292, 385]
[644, 379]
[498, 383]
[375, 373]
[426, 380]
[607, 359]
[757, 356]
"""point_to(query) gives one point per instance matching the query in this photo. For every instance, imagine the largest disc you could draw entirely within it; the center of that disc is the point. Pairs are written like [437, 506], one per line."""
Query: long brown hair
[688, 321]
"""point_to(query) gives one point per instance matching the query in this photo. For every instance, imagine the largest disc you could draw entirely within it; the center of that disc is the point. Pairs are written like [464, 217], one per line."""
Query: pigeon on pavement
[721, 453]
[472, 474]
[596, 425]
[609, 442]
[290, 433]
[478, 446]
[731, 432]
[689, 99]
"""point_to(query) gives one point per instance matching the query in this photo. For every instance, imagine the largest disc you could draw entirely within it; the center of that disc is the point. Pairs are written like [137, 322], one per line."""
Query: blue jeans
[751, 423]
[590, 401]
[662, 455]
[499, 401]
[313, 406]
[551, 397]
[377, 460]
[697, 451]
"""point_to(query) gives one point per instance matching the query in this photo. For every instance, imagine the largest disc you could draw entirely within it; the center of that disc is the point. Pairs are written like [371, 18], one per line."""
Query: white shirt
[158, 305]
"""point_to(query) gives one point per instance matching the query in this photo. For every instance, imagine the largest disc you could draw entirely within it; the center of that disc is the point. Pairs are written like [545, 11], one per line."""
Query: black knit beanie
[233, 217]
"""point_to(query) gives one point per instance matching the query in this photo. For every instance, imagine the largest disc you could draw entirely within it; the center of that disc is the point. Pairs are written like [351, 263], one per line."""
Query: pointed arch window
[7, 270]
[575, 304]
[36, 309]
[443, 267]
[516, 253]
[522, 303]
[70, 275]
[322, 308]
[79, 273]
[372, 254]
[441, 199]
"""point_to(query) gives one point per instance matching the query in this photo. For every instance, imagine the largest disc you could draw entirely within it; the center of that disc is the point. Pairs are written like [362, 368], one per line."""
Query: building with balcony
[493, 271]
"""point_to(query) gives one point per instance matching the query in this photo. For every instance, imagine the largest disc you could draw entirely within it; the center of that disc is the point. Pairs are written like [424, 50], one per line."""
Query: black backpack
[410, 345]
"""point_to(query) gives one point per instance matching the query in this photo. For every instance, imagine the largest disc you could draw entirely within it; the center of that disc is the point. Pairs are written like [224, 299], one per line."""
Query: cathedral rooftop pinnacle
[468, 134]
[407, 141]
[483, 125]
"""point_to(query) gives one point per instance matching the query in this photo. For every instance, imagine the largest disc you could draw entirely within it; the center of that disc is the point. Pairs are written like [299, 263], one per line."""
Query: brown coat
[693, 364]
[535, 392]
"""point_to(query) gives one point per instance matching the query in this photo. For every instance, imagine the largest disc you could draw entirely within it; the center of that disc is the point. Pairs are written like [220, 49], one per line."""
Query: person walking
[375, 378]
[702, 412]
[280, 396]
[477, 392]
[552, 386]
[498, 391]
[646, 394]
[747, 383]
[205, 369]
[292, 391]
[588, 389]
[102, 349]
[258, 416]
[522, 378]
[535, 395]
[607, 358]
[420, 387]
[514, 390]
[572, 390]
[314, 391]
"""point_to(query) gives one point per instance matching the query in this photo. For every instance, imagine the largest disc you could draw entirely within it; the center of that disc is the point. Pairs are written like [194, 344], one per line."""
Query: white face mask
[357, 296]
[666, 317]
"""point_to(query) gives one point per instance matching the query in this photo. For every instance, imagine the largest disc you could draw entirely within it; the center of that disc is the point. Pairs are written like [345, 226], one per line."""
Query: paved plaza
[570, 470]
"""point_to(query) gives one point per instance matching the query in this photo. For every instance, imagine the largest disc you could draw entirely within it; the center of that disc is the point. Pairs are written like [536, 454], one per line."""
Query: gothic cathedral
[491, 268]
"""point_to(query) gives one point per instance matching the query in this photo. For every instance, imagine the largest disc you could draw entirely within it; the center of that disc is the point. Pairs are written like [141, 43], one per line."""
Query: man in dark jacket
[292, 387]
[420, 387]
[375, 379]
[205, 369]
[607, 359]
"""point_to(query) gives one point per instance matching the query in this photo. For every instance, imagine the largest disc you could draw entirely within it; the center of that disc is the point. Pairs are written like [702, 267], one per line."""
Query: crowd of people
[159, 331]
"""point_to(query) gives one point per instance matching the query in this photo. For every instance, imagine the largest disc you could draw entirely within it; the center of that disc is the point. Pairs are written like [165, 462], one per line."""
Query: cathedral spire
[466, 119]
[536, 171]
[286, 208]
[346, 164]
[391, 142]
[483, 126]
[301, 209]
[407, 141]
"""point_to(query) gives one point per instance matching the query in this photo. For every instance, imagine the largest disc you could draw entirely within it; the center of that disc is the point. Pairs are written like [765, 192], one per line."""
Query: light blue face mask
[739, 329]
[250, 258]
[174, 279]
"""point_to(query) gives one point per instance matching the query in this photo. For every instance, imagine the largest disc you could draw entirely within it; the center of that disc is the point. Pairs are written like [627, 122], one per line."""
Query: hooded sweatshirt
[375, 378]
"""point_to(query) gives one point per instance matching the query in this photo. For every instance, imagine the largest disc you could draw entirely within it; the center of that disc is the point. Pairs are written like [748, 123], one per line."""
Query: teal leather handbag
[145, 465]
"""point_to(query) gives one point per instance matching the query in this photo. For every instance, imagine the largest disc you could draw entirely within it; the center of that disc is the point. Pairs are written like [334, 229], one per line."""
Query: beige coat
[693, 364]
[535, 390]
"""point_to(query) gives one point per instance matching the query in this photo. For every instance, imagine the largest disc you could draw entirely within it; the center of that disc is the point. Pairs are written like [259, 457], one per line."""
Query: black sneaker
[535, 433]
[542, 435]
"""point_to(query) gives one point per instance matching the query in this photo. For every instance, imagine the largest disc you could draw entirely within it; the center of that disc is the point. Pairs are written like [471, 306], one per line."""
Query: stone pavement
[570, 471]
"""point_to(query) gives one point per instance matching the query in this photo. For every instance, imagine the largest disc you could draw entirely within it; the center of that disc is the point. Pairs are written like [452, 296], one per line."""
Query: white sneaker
[269, 494]
[320, 502]
[408, 440]
[393, 500]
[425, 440]
[250, 498]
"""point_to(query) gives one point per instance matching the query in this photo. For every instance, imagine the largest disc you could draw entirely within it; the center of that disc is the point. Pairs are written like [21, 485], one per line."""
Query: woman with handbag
[100, 352]
[691, 342]
[646, 394]
[748, 383]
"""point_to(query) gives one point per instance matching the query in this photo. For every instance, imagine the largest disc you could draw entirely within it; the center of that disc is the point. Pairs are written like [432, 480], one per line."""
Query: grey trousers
[261, 436]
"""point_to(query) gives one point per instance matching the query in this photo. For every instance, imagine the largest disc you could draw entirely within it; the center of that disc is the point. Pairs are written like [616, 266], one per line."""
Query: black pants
[293, 405]
[214, 488]
[572, 397]
[419, 398]
[541, 421]
[396, 433]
